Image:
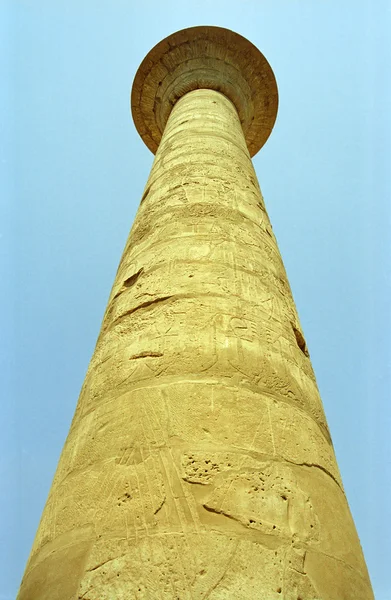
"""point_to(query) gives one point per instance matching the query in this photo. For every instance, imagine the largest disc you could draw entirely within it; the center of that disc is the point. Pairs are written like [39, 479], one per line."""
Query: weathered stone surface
[199, 463]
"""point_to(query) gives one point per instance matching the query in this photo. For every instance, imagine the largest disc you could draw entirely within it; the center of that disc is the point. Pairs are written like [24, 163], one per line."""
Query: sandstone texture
[199, 464]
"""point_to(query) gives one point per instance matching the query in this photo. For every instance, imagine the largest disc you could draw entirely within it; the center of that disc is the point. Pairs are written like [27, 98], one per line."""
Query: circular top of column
[205, 57]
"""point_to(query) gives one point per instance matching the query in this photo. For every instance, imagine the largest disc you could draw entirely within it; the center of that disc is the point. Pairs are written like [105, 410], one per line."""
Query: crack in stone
[305, 464]
[146, 354]
[129, 282]
[160, 506]
[100, 565]
[196, 482]
[221, 512]
[230, 559]
[140, 307]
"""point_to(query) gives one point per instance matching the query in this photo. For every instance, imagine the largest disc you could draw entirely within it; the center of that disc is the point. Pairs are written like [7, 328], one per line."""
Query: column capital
[211, 58]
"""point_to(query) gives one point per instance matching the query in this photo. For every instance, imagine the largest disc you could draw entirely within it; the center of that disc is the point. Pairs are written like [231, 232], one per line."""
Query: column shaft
[199, 462]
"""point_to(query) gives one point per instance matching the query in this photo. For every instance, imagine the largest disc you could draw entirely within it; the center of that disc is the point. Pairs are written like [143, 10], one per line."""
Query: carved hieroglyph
[199, 462]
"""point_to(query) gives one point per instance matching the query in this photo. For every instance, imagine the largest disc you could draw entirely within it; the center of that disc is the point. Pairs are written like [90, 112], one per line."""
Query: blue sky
[72, 173]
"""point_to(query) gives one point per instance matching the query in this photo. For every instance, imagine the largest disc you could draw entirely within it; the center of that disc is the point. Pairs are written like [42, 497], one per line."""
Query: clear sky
[72, 173]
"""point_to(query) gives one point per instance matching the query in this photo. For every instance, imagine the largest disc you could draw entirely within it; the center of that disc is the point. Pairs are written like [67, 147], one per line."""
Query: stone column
[199, 462]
